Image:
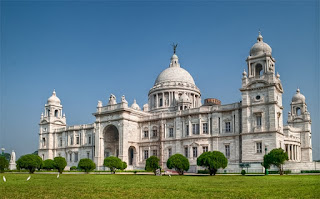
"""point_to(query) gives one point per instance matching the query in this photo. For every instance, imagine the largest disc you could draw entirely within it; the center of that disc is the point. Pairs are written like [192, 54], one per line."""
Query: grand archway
[111, 141]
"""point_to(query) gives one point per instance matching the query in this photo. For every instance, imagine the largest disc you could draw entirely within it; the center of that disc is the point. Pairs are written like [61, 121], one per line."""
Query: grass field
[147, 186]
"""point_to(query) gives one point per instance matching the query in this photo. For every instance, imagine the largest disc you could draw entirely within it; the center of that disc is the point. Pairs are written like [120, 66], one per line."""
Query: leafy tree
[179, 163]
[152, 164]
[60, 163]
[48, 164]
[4, 163]
[7, 156]
[35, 152]
[86, 164]
[275, 157]
[113, 163]
[212, 160]
[124, 166]
[30, 162]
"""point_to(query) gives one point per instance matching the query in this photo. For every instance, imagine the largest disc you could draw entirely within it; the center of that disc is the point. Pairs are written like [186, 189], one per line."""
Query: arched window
[259, 70]
[56, 113]
[43, 142]
[298, 111]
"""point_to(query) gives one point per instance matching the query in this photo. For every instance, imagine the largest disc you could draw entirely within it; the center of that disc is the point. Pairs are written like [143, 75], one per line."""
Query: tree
[4, 164]
[179, 163]
[152, 164]
[48, 164]
[212, 160]
[30, 162]
[276, 157]
[113, 163]
[7, 156]
[60, 163]
[124, 166]
[86, 164]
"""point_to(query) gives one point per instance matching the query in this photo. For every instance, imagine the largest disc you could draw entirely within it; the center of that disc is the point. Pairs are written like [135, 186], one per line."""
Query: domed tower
[262, 124]
[173, 83]
[299, 119]
[49, 121]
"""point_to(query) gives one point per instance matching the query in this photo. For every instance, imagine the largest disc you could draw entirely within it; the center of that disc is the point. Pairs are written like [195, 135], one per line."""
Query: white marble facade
[175, 121]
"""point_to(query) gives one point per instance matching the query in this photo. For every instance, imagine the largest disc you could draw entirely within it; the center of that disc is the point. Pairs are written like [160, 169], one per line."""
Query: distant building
[175, 121]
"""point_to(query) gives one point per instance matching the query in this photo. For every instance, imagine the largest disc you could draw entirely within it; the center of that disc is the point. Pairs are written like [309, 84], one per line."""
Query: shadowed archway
[111, 141]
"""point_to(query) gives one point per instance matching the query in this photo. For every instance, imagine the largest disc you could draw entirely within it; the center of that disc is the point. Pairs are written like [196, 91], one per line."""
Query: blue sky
[87, 50]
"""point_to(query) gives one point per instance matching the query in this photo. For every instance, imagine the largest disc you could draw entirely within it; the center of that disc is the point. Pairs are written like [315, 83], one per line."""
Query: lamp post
[266, 149]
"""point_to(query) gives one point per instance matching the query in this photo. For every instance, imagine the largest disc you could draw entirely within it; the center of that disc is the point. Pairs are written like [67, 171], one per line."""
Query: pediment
[43, 121]
[257, 84]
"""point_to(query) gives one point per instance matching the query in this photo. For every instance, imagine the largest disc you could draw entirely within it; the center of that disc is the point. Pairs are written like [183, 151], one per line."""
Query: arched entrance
[132, 156]
[111, 141]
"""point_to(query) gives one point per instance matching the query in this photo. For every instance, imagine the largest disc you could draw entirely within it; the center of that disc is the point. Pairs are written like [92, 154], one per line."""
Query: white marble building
[175, 121]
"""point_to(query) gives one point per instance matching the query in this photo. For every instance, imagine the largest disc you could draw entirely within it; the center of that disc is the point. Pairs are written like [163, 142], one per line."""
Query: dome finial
[54, 92]
[174, 47]
[260, 38]
[298, 90]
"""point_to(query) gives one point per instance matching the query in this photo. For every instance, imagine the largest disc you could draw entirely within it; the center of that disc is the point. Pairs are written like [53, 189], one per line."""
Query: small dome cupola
[260, 47]
[298, 97]
[184, 98]
[54, 100]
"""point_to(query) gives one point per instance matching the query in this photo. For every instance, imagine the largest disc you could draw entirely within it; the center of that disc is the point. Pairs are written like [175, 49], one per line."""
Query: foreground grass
[147, 186]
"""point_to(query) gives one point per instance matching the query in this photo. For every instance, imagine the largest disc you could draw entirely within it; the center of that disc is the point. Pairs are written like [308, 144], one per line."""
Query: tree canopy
[276, 157]
[30, 162]
[113, 163]
[60, 163]
[179, 163]
[4, 163]
[152, 164]
[212, 160]
[86, 164]
[48, 164]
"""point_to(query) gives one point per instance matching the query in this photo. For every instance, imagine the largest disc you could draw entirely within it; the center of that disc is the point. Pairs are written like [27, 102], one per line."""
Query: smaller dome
[260, 47]
[184, 98]
[54, 100]
[298, 97]
[135, 105]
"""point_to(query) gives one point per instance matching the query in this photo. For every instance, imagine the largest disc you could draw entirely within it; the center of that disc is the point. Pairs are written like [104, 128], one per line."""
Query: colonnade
[294, 152]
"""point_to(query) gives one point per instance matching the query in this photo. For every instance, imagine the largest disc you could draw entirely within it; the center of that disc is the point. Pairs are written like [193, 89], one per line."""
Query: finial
[174, 48]
[134, 101]
[259, 39]
[54, 92]
[244, 72]
[298, 90]
[278, 76]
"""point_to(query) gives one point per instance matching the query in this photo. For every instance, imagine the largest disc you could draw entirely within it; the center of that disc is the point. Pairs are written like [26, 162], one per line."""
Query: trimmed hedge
[310, 171]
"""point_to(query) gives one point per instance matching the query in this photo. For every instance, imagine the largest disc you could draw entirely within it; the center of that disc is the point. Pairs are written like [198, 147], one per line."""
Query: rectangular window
[258, 120]
[88, 155]
[227, 151]
[154, 133]
[170, 132]
[70, 156]
[71, 140]
[228, 127]
[146, 154]
[77, 139]
[76, 157]
[195, 152]
[219, 125]
[169, 152]
[154, 152]
[146, 134]
[195, 129]
[259, 147]
[205, 149]
[187, 130]
[60, 142]
[205, 128]
[89, 140]
[186, 151]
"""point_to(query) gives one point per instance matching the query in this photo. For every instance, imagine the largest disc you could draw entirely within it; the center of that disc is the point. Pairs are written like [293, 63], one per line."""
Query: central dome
[174, 73]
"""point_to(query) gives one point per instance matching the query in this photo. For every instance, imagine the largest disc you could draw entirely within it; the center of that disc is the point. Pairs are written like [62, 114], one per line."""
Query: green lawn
[147, 186]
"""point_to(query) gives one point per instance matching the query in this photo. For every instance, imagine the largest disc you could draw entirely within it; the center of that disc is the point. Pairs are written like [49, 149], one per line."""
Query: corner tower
[50, 120]
[262, 125]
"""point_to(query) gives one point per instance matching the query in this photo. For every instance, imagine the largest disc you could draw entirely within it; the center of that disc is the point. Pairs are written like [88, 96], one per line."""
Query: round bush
[48, 164]
[243, 172]
[86, 164]
[113, 163]
[30, 162]
[60, 163]
[152, 164]
[212, 160]
[179, 163]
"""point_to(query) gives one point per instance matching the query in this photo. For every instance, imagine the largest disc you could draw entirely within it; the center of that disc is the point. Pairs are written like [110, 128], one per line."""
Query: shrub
[30, 162]
[73, 168]
[48, 164]
[113, 163]
[179, 163]
[4, 163]
[203, 171]
[152, 164]
[124, 166]
[310, 171]
[243, 172]
[86, 164]
[212, 160]
[60, 163]
[287, 172]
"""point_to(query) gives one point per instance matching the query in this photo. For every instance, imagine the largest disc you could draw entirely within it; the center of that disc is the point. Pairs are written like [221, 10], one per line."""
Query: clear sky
[87, 50]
